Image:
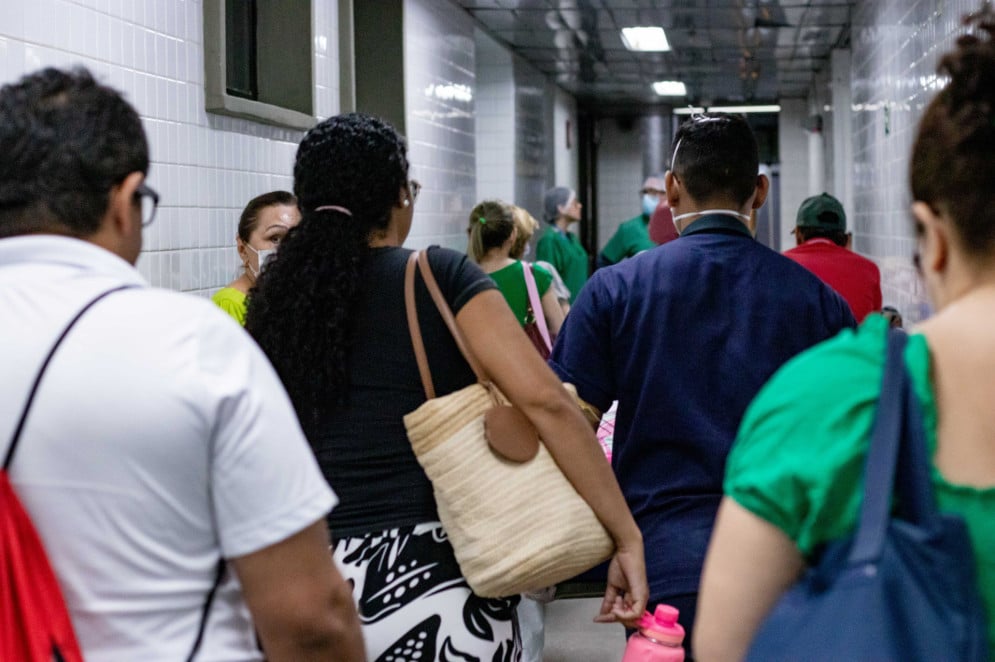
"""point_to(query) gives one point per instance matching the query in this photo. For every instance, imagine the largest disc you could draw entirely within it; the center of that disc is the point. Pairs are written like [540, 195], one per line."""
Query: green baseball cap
[822, 211]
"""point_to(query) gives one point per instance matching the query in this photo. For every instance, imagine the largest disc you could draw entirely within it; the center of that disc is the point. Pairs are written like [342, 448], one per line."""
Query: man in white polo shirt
[161, 461]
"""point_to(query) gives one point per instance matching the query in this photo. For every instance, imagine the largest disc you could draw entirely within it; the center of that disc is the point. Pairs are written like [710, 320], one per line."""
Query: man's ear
[673, 189]
[763, 188]
[121, 208]
[935, 240]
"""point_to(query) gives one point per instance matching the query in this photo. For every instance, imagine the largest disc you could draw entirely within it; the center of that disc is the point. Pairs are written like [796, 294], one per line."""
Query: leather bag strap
[448, 317]
[420, 259]
[536, 304]
[19, 428]
[414, 329]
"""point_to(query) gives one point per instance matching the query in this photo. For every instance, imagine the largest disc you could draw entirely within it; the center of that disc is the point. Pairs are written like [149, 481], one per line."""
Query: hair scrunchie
[334, 208]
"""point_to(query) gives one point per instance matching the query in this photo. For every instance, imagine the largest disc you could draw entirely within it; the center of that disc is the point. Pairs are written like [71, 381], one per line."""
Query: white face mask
[649, 204]
[261, 257]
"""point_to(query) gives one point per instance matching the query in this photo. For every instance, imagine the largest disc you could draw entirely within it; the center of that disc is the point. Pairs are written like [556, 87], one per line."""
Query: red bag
[34, 621]
[535, 324]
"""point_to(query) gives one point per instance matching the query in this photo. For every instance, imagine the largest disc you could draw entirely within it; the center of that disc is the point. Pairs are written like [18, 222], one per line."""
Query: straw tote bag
[515, 522]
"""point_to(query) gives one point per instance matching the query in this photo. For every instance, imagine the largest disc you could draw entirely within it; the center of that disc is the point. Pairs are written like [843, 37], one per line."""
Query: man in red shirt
[824, 249]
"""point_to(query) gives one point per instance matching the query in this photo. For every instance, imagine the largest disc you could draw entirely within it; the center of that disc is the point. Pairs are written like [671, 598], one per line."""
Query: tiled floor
[571, 636]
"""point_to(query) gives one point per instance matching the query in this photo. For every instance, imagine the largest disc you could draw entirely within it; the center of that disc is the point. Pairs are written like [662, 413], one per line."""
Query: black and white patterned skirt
[415, 605]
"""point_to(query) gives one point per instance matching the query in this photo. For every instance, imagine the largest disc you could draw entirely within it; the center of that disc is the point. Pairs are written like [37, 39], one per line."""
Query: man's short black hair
[715, 156]
[65, 141]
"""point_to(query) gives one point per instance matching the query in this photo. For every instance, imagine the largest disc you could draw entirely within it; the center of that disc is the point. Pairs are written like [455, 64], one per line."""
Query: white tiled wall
[439, 100]
[522, 120]
[495, 110]
[793, 146]
[620, 175]
[566, 162]
[205, 167]
[896, 46]
[532, 136]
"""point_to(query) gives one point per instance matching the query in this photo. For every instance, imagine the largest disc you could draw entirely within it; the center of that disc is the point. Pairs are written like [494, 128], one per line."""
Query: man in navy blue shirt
[683, 336]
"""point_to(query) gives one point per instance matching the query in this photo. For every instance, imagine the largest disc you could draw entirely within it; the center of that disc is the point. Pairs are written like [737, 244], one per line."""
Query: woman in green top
[493, 234]
[794, 477]
[265, 221]
[558, 245]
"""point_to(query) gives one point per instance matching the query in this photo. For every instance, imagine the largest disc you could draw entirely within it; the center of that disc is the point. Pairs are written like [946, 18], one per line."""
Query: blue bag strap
[9, 459]
[914, 487]
[897, 448]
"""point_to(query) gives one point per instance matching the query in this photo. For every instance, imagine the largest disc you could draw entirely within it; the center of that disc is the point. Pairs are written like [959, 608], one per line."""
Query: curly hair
[491, 224]
[66, 141]
[951, 166]
[301, 309]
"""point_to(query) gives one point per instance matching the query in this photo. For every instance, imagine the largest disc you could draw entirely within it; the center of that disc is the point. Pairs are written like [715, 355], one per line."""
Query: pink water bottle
[658, 639]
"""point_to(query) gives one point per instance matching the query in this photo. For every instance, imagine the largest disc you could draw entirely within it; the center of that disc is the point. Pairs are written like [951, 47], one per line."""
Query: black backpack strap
[41, 372]
[8, 460]
[208, 601]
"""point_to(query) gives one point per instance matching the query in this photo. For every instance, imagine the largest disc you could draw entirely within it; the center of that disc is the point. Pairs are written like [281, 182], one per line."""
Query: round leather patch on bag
[510, 433]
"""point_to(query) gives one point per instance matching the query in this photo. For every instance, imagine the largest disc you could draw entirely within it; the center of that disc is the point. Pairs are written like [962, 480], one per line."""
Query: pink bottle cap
[662, 625]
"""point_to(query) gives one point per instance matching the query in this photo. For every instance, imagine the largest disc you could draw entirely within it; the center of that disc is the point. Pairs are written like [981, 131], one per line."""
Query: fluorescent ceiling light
[645, 39]
[744, 109]
[728, 109]
[670, 88]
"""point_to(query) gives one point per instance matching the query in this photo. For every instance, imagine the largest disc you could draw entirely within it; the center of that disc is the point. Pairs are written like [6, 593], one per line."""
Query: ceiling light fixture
[670, 88]
[729, 109]
[645, 39]
[773, 108]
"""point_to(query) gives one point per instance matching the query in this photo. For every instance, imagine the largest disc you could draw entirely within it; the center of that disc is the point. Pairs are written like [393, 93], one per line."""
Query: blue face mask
[649, 204]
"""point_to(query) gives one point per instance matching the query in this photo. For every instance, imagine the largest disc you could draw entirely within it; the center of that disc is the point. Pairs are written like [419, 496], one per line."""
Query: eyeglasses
[149, 201]
[651, 191]
[414, 187]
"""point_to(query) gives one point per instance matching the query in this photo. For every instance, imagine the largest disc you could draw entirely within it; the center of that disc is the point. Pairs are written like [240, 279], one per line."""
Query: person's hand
[627, 593]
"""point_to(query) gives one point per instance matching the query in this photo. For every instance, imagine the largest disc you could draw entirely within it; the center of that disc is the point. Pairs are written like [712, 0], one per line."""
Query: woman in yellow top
[265, 221]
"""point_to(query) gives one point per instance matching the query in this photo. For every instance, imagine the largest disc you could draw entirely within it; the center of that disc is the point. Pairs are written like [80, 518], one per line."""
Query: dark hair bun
[971, 69]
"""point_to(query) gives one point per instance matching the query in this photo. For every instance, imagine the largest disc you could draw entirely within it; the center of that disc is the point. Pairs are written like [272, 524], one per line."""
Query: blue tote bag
[903, 587]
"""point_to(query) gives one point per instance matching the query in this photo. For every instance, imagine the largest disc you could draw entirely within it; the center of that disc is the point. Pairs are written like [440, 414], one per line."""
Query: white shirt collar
[68, 251]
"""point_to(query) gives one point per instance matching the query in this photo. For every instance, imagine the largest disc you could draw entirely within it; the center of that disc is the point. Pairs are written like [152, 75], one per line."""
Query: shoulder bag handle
[19, 428]
[897, 449]
[419, 259]
[536, 303]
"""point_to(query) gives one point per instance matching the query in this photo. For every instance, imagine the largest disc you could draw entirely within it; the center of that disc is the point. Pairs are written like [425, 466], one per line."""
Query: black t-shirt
[363, 448]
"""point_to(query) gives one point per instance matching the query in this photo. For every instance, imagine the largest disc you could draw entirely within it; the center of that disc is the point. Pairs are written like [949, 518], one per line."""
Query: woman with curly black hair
[329, 312]
[794, 479]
